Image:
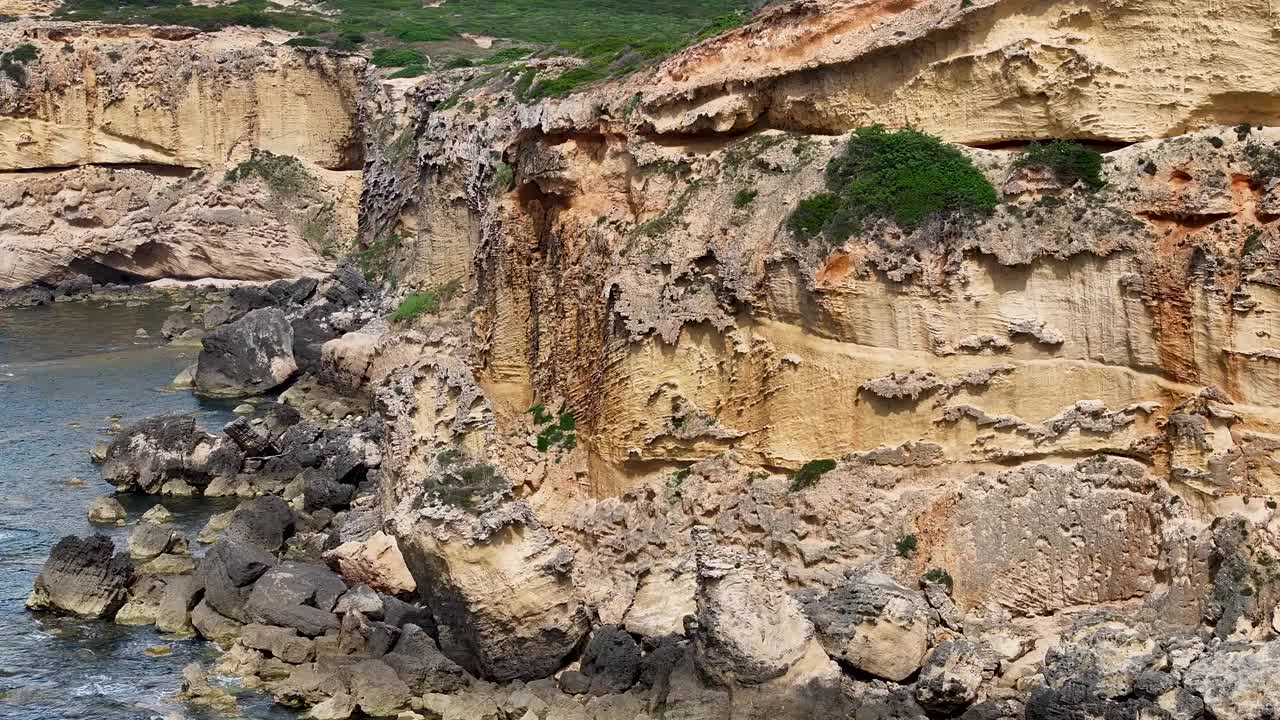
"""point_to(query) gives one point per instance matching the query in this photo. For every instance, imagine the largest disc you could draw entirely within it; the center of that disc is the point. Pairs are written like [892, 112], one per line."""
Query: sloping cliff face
[114, 141]
[1061, 405]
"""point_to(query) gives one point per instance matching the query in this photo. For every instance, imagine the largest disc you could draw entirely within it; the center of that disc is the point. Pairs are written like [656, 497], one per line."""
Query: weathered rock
[338, 707]
[419, 663]
[319, 491]
[143, 605]
[247, 357]
[749, 629]
[874, 624]
[181, 594]
[574, 682]
[361, 599]
[376, 562]
[298, 596]
[150, 540]
[214, 527]
[501, 594]
[264, 522]
[376, 688]
[158, 514]
[952, 675]
[196, 689]
[160, 450]
[213, 625]
[1104, 656]
[611, 659]
[663, 598]
[227, 572]
[283, 643]
[1239, 681]
[107, 510]
[398, 613]
[83, 577]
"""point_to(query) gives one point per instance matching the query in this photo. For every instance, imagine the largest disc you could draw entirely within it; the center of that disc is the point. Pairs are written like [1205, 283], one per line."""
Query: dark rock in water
[84, 577]
[320, 492]
[264, 522]
[247, 357]
[175, 325]
[611, 660]
[74, 286]
[168, 448]
[227, 573]
[419, 663]
[298, 596]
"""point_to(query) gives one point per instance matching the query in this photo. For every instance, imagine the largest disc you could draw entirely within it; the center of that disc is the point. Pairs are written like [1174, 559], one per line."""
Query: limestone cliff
[114, 142]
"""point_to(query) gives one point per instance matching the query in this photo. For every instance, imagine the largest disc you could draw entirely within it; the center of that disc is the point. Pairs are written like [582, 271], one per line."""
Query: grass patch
[744, 197]
[554, 432]
[397, 57]
[410, 71]
[305, 42]
[284, 174]
[1070, 162]
[424, 302]
[812, 471]
[905, 176]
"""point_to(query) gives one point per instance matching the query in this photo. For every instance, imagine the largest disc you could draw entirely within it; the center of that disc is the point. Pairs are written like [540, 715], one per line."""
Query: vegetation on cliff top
[904, 176]
[1070, 162]
[613, 36]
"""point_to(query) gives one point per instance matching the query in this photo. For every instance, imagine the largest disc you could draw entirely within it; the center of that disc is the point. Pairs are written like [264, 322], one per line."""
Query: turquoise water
[64, 371]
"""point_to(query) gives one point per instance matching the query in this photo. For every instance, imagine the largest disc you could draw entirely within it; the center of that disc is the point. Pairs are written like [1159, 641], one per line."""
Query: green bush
[569, 81]
[744, 197]
[939, 576]
[505, 177]
[424, 302]
[304, 42]
[397, 57]
[808, 475]
[813, 214]
[905, 176]
[284, 174]
[561, 433]
[409, 71]
[1070, 162]
[907, 546]
[458, 61]
[22, 54]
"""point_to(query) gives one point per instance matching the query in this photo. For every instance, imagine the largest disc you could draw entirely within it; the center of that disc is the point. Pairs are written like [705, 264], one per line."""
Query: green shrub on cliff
[808, 475]
[424, 302]
[1070, 162]
[284, 174]
[905, 176]
[397, 57]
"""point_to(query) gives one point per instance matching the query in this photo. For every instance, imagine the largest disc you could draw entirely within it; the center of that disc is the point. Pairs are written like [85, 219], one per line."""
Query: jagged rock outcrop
[168, 454]
[83, 577]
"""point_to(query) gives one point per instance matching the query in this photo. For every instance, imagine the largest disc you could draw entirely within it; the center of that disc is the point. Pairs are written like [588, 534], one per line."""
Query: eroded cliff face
[1056, 401]
[114, 142]
[980, 72]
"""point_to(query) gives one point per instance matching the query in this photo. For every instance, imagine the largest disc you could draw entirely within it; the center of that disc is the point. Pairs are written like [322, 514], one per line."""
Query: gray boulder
[213, 625]
[376, 688]
[953, 674]
[264, 522]
[1239, 681]
[84, 577]
[282, 643]
[873, 624]
[150, 454]
[227, 572]
[249, 356]
[298, 596]
[419, 663]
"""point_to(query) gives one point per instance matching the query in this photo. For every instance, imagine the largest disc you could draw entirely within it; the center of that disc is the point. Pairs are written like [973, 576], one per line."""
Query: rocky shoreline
[311, 592]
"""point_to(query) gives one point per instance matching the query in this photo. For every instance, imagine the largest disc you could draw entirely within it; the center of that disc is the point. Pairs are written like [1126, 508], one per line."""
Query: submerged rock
[84, 577]
[107, 510]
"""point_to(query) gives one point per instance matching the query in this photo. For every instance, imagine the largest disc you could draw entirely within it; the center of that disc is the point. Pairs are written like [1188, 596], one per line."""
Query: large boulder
[749, 629]
[376, 562]
[953, 674]
[250, 356]
[663, 598]
[227, 572]
[1239, 681]
[84, 577]
[419, 663]
[873, 624]
[498, 584]
[376, 688]
[264, 522]
[296, 595]
[611, 660]
[166, 453]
